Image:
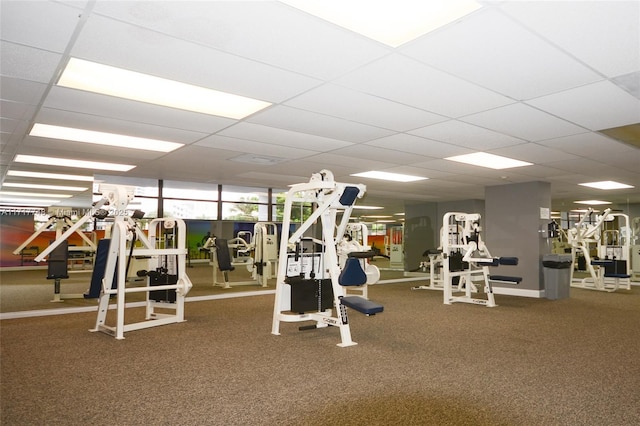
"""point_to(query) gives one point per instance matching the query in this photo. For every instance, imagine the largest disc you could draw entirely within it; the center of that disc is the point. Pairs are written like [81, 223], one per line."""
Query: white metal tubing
[68, 232]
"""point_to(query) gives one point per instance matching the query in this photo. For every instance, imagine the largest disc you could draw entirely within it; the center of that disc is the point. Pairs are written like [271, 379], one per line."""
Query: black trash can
[557, 275]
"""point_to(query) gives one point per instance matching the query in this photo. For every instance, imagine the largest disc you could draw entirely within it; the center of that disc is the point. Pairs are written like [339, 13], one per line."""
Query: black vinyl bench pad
[361, 304]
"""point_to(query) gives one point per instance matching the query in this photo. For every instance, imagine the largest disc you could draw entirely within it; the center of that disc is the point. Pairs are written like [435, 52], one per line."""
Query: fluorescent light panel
[27, 202]
[40, 175]
[606, 184]
[592, 202]
[102, 138]
[490, 161]
[390, 22]
[38, 186]
[68, 162]
[395, 177]
[367, 207]
[32, 194]
[107, 80]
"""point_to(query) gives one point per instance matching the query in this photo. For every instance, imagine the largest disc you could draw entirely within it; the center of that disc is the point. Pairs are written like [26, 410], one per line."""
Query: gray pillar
[514, 216]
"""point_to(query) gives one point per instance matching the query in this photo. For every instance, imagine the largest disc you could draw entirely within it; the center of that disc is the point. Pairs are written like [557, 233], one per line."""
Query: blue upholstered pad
[508, 260]
[361, 304]
[352, 274]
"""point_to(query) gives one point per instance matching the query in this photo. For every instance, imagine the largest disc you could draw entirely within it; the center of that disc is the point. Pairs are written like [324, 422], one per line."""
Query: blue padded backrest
[349, 195]
[352, 274]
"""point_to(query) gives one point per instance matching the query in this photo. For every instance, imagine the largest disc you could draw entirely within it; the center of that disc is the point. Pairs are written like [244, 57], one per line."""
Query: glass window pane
[244, 211]
[187, 209]
[241, 193]
[190, 190]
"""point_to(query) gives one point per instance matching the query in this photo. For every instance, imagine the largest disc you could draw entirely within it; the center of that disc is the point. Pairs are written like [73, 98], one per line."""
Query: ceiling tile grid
[534, 81]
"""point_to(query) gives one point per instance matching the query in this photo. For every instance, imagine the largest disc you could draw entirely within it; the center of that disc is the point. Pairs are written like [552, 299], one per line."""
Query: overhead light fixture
[606, 184]
[377, 217]
[68, 162]
[32, 194]
[102, 138]
[490, 161]
[592, 202]
[47, 187]
[27, 202]
[40, 175]
[107, 80]
[392, 23]
[367, 207]
[395, 177]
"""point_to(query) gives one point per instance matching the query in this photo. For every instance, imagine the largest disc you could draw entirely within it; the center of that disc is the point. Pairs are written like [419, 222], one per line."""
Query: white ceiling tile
[17, 110]
[298, 120]
[588, 144]
[467, 135]
[355, 164]
[252, 147]
[491, 50]
[393, 156]
[595, 106]
[275, 136]
[337, 101]
[27, 63]
[603, 34]
[417, 145]
[407, 81]
[18, 90]
[51, 25]
[523, 121]
[278, 35]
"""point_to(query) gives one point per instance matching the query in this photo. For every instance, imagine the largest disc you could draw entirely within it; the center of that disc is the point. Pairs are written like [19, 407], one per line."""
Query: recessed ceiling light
[395, 177]
[102, 138]
[27, 202]
[367, 207]
[40, 175]
[121, 83]
[38, 186]
[31, 194]
[606, 184]
[592, 202]
[490, 161]
[68, 162]
[376, 217]
[392, 23]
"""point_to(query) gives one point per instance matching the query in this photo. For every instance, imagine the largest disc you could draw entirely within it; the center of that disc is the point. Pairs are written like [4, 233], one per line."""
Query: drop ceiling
[536, 81]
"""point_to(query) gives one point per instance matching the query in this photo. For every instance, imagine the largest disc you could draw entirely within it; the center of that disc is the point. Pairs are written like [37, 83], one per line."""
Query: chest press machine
[323, 278]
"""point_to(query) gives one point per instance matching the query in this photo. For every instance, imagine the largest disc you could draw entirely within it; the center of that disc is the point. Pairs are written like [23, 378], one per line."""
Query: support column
[515, 216]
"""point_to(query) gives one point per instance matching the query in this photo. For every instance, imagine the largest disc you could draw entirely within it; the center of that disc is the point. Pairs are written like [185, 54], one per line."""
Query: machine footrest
[361, 304]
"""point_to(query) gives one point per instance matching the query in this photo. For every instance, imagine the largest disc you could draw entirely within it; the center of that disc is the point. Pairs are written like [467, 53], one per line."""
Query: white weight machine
[64, 228]
[612, 267]
[167, 283]
[265, 252]
[257, 253]
[310, 285]
[464, 259]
